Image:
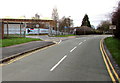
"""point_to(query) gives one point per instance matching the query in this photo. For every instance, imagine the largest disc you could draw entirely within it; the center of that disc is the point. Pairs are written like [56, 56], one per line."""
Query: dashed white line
[58, 63]
[80, 43]
[84, 40]
[73, 48]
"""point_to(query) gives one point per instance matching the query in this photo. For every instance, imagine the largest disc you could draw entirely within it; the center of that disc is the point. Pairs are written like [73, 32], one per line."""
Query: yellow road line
[111, 64]
[107, 66]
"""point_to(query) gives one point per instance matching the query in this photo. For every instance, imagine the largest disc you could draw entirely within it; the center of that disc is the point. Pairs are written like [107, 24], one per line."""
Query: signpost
[112, 27]
[75, 31]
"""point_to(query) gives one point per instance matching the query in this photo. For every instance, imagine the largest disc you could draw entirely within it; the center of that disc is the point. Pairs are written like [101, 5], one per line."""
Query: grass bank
[15, 41]
[113, 45]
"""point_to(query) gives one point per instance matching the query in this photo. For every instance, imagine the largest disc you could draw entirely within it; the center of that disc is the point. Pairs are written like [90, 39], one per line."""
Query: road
[77, 59]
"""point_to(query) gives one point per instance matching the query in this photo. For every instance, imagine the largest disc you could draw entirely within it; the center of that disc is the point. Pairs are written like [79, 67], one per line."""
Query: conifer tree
[85, 21]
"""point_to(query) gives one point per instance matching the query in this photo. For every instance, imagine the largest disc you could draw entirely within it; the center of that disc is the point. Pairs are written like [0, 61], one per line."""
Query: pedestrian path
[22, 48]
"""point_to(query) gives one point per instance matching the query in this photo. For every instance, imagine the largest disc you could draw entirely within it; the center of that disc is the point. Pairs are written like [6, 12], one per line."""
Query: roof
[46, 18]
[23, 17]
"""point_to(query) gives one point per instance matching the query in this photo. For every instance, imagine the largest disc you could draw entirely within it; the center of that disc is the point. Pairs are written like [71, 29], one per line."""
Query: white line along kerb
[58, 63]
[73, 48]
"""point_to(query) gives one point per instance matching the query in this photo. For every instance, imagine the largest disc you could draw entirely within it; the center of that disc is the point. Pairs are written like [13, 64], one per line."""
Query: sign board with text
[112, 27]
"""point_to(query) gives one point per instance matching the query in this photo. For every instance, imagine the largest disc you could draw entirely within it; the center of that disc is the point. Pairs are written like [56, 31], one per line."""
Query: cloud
[74, 8]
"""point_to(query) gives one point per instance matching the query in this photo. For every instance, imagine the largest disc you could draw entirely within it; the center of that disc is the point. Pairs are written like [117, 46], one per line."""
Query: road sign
[37, 25]
[74, 29]
[65, 27]
[112, 27]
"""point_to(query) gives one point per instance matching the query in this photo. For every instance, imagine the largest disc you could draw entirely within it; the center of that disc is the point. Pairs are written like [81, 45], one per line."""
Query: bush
[87, 32]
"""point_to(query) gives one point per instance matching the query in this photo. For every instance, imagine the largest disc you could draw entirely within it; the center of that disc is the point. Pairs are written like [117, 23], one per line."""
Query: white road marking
[80, 43]
[59, 41]
[84, 40]
[73, 48]
[78, 38]
[55, 42]
[58, 63]
[81, 38]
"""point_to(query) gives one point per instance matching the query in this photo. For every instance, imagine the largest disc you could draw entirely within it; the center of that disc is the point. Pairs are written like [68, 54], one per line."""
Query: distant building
[17, 26]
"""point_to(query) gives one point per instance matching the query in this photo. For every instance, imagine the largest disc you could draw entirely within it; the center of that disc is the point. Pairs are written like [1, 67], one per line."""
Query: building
[21, 26]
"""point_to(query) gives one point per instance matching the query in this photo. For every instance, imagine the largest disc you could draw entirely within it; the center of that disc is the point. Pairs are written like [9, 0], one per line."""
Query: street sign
[65, 27]
[74, 29]
[37, 25]
[112, 27]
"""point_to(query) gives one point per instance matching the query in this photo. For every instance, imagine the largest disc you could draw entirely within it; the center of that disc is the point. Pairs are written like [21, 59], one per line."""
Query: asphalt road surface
[77, 59]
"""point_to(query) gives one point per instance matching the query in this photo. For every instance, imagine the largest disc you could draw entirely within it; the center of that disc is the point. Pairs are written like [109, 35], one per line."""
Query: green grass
[64, 35]
[15, 41]
[113, 45]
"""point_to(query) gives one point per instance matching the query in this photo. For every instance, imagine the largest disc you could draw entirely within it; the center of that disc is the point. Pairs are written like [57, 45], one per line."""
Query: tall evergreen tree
[85, 21]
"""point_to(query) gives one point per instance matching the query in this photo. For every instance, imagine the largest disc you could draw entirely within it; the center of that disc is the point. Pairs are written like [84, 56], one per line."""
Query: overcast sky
[97, 10]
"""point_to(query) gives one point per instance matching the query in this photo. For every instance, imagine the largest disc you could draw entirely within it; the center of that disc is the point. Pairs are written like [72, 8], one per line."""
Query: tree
[62, 24]
[65, 22]
[55, 17]
[104, 26]
[116, 21]
[85, 21]
[36, 16]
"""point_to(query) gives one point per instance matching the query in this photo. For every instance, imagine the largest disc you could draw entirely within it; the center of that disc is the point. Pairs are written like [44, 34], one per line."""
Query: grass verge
[15, 41]
[113, 46]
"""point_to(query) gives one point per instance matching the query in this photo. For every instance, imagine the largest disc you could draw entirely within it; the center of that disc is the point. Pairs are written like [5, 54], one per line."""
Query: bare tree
[65, 22]
[104, 26]
[55, 17]
[37, 16]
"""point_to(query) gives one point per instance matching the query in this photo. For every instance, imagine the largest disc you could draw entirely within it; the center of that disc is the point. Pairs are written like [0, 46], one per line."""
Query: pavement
[23, 48]
[77, 59]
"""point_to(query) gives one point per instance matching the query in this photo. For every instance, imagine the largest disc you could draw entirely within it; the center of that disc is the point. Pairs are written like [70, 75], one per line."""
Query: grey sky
[97, 10]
